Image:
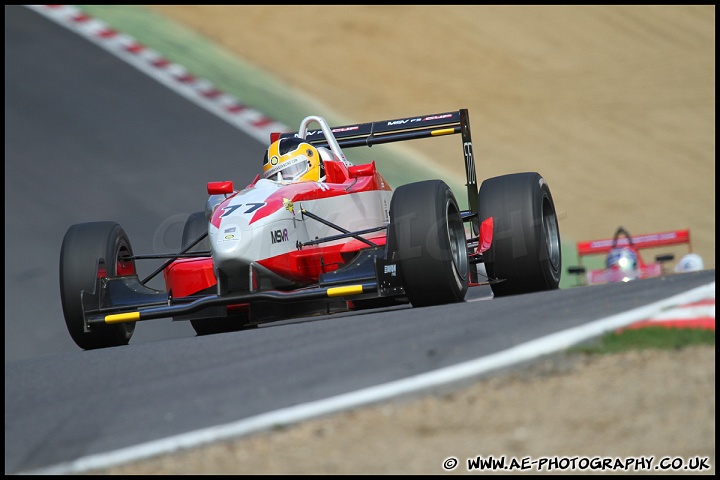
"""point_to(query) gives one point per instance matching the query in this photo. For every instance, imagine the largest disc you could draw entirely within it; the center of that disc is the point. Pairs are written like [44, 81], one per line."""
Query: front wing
[126, 299]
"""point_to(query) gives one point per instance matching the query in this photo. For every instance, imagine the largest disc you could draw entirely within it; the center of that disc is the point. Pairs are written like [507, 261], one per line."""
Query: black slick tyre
[195, 226]
[90, 251]
[427, 239]
[525, 250]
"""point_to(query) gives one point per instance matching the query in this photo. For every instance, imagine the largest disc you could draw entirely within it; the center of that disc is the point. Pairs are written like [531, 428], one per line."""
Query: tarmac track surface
[87, 139]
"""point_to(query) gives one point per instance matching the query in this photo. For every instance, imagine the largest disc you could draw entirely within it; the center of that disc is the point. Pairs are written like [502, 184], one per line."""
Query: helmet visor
[291, 169]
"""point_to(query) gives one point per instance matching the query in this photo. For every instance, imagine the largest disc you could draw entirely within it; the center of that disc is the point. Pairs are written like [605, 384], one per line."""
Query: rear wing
[597, 247]
[408, 128]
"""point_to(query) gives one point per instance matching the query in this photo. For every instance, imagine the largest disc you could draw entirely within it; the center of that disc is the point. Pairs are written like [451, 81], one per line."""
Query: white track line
[463, 371]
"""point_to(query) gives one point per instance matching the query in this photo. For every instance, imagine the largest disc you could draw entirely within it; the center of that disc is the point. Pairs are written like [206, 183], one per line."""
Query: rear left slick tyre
[427, 237]
[91, 251]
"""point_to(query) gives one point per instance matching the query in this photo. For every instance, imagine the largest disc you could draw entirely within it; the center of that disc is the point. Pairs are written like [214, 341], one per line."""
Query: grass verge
[661, 338]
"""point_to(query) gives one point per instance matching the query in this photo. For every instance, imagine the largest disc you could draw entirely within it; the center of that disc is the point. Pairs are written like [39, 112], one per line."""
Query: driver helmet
[623, 258]
[292, 159]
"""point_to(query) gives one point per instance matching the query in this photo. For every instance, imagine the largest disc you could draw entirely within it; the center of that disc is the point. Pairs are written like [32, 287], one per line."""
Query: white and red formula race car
[624, 261]
[275, 250]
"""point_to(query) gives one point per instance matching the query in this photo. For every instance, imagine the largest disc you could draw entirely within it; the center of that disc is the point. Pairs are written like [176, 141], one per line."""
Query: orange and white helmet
[292, 159]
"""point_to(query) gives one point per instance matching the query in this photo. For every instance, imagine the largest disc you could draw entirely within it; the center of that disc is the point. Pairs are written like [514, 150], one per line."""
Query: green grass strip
[652, 337]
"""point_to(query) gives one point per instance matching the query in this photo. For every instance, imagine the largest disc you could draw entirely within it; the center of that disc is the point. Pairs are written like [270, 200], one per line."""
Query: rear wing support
[408, 128]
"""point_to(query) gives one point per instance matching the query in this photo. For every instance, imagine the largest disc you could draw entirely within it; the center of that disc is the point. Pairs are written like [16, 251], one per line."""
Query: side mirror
[220, 188]
[365, 170]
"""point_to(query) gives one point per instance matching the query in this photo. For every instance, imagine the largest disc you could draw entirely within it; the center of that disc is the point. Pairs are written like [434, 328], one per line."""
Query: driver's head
[622, 258]
[292, 159]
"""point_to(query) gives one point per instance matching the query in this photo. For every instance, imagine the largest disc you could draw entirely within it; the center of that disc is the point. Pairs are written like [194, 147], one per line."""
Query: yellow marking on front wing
[444, 131]
[340, 291]
[122, 317]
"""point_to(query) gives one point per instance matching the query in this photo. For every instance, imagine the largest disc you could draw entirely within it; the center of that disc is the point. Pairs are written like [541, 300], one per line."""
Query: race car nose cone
[227, 243]
[229, 233]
